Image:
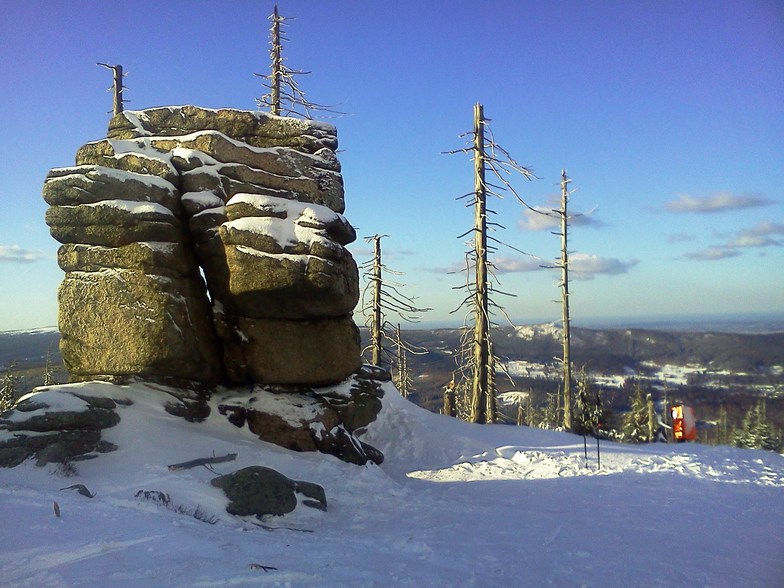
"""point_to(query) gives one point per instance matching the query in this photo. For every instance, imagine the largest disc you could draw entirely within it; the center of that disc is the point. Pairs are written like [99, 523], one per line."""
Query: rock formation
[204, 255]
[206, 246]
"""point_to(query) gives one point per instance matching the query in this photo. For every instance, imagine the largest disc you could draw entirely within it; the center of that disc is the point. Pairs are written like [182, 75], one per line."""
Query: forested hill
[29, 348]
[601, 349]
[615, 349]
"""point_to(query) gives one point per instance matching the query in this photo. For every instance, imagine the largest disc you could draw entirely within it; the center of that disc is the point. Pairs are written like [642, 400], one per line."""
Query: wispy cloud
[586, 267]
[712, 254]
[15, 254]
[760, 235]
[583, 266]
[680, 238]
[506, 265]
[719, 202]
[542, 218]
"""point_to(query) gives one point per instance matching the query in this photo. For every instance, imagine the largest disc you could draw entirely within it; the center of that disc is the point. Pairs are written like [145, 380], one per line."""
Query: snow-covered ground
[454, 504]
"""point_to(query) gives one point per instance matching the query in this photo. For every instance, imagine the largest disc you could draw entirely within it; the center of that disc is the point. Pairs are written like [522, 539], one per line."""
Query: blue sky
[668, 116]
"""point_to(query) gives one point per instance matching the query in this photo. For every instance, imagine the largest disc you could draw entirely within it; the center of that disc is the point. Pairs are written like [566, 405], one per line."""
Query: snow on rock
[147, 209]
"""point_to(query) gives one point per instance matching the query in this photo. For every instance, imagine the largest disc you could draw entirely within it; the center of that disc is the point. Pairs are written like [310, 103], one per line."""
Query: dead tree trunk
[277, 64]
[481, 353]
[402, 364]
[567, 337]
[450, 406]
[376, 318]
[117, 87]
[491, 416]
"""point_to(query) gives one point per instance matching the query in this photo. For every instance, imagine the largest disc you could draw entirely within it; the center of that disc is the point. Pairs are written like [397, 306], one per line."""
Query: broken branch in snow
[255, 566]
[186, 465]
[81, 489]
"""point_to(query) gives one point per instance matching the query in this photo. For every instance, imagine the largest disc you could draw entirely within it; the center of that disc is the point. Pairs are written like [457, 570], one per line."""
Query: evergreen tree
[635, 422]
[587, 414]
[723, 436]
[551, 418]
[48, 369]
[757, 432]
[8, 386]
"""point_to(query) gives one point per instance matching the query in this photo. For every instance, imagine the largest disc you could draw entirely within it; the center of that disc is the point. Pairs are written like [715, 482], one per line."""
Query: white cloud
[15, 254]
[759, 236]
[713, 254]
[585, 266]
[680, 238]
[504, 265]
[582, 265]
[719, 202]
[542, 218]
[752, 241]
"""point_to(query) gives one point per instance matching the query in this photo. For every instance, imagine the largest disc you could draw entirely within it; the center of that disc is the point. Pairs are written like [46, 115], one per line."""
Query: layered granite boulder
[206, 246]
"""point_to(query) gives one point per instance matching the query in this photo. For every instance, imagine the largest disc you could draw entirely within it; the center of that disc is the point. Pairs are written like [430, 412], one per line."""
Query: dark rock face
[327, 420]
[206, 246]
[56, 427]
[262, 491]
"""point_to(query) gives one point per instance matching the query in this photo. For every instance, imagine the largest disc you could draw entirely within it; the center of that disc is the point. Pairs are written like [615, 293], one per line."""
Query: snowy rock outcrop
[57, 427]
[261, 491]
[206, 246]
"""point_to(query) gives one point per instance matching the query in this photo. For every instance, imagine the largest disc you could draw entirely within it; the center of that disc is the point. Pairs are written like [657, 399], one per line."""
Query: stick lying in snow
[186, 465]
[81, 489]
[255, 566]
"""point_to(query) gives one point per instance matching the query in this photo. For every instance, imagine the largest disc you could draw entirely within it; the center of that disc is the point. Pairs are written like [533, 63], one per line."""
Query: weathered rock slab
[128, 323]
[264, 285]
[304, 352]
[154, 258]
[89, 184]
[327, 420]
[255, 128]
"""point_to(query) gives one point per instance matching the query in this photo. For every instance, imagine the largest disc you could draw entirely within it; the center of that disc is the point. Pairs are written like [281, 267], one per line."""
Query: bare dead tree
[566, 318]
[380, 297]
[117, 87]
[487, 156]
[285, 97]
[562, 263]
[402, 377]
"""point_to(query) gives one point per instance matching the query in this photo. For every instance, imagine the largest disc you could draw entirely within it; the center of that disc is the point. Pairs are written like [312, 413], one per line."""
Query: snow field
[454, 504]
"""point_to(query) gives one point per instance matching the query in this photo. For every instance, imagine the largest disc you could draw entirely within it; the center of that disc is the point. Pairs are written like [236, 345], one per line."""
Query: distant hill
[612, 350]
[724, 369]
[750, 364]
[29, 348]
